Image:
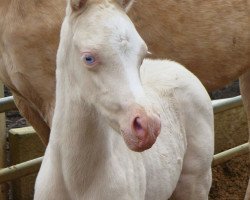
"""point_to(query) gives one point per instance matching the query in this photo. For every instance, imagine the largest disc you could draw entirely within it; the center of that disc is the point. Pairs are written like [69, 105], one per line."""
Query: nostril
[137, 124]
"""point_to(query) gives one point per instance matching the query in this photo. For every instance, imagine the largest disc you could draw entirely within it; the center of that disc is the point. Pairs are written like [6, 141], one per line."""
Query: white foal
[109, 110]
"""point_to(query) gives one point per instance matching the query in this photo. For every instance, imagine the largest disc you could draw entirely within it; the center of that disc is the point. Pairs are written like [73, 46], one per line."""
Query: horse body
[210, 38]
[87, 159]
[29, 38]
[107, 108]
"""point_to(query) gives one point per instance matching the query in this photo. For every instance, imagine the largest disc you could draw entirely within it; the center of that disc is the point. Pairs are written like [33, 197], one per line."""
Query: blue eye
[89, 59]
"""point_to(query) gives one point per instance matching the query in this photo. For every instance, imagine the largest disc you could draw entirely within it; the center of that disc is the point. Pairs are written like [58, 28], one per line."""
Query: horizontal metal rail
[6, 104]
[33, 166]
[221, 105]
[230, 153]
[20, 170]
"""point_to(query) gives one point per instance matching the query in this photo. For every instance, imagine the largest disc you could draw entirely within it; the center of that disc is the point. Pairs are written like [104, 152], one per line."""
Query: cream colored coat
[87, 157]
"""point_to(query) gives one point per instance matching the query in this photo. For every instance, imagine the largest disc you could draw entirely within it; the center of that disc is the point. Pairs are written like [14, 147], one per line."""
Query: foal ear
[126, 4]
[77, 4]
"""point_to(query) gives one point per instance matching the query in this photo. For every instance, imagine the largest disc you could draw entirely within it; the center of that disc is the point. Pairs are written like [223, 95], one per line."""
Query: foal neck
[80, 138]
[77, 123]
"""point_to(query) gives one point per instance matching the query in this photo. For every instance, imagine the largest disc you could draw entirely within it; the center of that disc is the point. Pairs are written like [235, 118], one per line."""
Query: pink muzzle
[143, 130]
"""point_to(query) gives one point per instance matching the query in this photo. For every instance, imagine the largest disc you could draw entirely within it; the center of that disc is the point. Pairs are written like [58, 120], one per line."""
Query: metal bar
[20, 170]
[230, 153]
[33, 166]
[3, 187]
[226, 104]
[6, 104]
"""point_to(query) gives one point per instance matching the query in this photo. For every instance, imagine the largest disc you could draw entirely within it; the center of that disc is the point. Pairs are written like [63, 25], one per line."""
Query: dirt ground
[230, 179]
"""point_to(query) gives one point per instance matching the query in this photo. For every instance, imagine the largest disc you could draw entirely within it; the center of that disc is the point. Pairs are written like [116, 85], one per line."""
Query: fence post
[3, 187]
[24, 145]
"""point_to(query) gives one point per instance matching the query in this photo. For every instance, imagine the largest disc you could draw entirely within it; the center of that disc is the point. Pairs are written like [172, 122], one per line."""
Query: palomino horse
[211, 38]
[105, 96]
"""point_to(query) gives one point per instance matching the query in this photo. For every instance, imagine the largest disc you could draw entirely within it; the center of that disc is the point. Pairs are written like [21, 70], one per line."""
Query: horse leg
[33, 117]
[193, 186]
[245, 92]
[196, 176]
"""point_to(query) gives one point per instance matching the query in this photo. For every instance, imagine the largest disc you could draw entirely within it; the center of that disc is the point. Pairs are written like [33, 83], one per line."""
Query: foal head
[103, 52]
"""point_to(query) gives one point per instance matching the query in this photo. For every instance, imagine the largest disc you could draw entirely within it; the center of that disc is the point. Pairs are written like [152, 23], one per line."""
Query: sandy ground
[230, 179]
